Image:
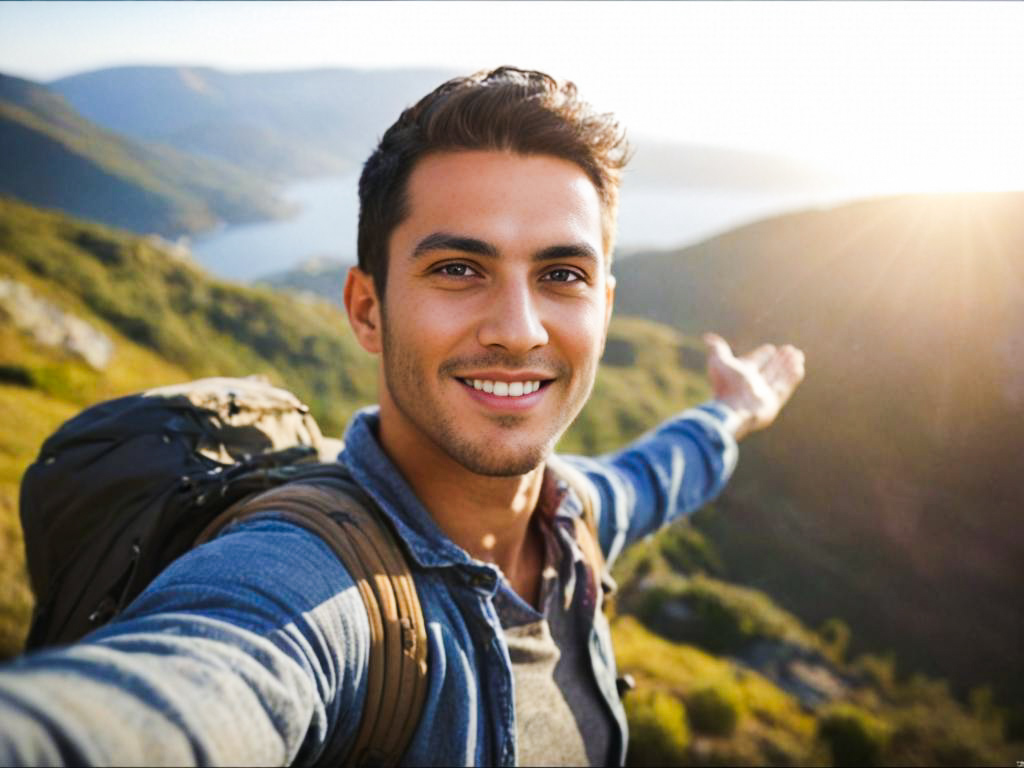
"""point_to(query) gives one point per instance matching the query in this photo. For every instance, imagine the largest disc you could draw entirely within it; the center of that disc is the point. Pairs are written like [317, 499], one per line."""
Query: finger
[761, 355]
[793, 361]
[712, 339]
[773, 369]
[785, 371]
[797, 360]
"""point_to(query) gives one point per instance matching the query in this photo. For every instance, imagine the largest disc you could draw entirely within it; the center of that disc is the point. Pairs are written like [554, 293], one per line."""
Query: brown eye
[456, 270]
[563, 276]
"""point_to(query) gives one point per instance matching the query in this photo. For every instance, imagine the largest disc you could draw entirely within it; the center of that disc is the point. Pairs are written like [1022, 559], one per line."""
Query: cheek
[423, 330]
[583, 336]
[419, 317]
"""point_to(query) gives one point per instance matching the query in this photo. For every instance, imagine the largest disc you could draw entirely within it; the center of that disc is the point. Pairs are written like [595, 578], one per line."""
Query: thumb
[717, 346]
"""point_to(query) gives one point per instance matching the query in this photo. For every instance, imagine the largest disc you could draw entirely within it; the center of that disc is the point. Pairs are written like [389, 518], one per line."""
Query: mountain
[889, 491]
[56, 158]
[282, 124]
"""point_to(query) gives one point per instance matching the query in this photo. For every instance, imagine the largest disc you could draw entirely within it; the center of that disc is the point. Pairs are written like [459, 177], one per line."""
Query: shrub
[835, 634]
[854, 736]
[687, 550]
[880, 671]
[716, 709]
[658, 733]
[942, 733]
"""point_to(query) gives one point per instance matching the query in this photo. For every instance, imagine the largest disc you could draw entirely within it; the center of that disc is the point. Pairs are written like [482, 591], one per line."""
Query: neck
[489, 517]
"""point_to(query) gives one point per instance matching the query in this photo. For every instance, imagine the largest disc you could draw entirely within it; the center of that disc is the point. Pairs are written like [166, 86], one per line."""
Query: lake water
[325, 226]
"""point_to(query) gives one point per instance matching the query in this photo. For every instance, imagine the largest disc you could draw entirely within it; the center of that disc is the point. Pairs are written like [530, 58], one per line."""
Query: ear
[610, 300]
[363, 309]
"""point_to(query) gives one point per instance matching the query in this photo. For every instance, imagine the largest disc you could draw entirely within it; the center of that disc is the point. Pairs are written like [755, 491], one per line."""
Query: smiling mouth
[506, 388]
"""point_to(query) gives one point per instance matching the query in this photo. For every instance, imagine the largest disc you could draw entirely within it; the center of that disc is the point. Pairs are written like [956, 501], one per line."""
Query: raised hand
[755, 386]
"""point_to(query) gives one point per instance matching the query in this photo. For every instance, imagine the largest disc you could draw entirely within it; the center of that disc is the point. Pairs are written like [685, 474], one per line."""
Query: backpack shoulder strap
[398, 639]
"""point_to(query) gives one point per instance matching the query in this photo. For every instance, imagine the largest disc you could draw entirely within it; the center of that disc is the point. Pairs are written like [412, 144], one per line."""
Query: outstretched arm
[686, 461]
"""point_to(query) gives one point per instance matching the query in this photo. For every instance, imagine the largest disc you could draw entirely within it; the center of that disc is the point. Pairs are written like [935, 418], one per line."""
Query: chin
[485, 460]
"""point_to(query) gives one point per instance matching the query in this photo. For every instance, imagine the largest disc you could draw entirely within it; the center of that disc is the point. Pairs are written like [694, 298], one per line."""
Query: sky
[917, 96]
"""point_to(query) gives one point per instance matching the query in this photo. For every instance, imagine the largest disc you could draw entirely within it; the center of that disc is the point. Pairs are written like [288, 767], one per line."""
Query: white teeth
[504, 388]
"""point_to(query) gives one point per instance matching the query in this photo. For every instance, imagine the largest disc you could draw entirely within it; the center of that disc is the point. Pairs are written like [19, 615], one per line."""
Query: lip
[499, 403]
[509, 377]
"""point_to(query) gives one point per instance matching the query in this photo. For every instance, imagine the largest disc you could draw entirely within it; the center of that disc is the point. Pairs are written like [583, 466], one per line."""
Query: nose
[513, 321]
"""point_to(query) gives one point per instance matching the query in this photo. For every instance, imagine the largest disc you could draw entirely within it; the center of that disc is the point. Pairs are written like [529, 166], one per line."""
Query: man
[487, 221]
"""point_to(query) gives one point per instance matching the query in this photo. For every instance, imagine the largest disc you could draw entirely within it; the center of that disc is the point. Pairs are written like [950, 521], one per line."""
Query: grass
[734, 714]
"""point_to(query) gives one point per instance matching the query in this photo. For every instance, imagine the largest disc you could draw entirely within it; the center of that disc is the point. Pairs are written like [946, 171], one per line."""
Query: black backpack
[127, 486]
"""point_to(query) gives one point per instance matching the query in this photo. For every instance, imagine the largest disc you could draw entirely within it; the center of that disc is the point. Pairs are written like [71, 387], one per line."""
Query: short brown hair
[508, 109]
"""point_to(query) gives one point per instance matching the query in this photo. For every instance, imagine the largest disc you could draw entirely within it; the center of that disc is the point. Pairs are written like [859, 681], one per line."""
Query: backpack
[125, 487]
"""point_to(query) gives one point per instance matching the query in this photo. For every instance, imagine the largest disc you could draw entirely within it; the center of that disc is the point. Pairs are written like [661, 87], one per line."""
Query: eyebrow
[572, 251]
[446, 241]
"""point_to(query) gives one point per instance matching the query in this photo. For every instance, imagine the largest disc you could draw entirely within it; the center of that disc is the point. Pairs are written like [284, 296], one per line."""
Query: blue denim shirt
[253, 648]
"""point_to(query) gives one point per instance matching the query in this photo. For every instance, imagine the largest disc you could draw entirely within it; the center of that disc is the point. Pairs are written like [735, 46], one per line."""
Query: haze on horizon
[894, 97]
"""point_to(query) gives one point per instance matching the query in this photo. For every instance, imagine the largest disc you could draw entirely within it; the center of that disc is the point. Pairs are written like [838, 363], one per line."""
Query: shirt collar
[379, 477]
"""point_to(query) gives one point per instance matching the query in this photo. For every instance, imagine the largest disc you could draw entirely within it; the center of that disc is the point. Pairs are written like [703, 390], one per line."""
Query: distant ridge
[286, 125]
[301, 123]
[56, 158]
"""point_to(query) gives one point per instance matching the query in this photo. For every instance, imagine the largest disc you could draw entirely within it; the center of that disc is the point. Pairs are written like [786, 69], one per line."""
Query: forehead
[504, 198]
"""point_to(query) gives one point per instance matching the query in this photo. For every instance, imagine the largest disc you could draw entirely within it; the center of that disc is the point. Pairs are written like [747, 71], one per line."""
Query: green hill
[54, 157]
[889, 492]
[725, 676]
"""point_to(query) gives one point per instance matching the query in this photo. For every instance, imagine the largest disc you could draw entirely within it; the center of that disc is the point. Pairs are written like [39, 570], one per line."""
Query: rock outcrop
[51, 326]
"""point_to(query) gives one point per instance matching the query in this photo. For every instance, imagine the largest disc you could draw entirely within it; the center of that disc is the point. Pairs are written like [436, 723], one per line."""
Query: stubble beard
[401, 373]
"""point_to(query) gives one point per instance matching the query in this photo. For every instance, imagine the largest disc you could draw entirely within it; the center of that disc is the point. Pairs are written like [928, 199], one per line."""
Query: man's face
[496, 309]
